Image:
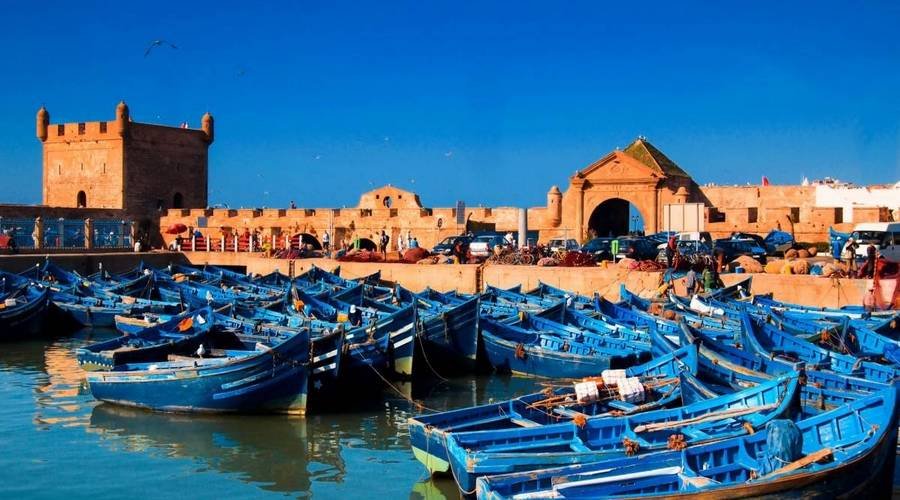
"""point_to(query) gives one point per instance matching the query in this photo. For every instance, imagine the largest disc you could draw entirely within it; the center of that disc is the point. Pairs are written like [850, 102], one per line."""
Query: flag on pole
[765, 181]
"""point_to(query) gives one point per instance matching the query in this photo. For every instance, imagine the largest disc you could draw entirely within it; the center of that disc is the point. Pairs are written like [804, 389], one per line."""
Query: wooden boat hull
[449, 339]
[860, 442]
[427, 433]
[274, 380]
[27, 320]
[475, 454]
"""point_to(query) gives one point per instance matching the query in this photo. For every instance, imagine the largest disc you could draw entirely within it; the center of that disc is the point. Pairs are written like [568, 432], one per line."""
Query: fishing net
[414, 255]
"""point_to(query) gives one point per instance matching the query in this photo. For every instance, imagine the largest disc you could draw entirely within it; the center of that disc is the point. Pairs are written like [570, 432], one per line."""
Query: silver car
[558, 244]
[483, 246]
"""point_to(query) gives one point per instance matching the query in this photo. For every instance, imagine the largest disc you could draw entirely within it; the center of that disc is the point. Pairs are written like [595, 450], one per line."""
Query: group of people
[847, 253]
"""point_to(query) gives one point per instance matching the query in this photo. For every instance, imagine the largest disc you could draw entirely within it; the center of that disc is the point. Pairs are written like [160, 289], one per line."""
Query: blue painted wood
[428, 432]
[475, 454]
[862, 436]
[26, 305]
[243, 375]
[153, 343]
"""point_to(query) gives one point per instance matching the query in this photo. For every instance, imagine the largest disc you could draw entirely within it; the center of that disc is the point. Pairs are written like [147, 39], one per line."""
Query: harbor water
[58, 442]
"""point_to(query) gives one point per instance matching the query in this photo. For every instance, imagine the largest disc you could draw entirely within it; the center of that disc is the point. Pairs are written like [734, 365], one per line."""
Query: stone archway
[612, 217]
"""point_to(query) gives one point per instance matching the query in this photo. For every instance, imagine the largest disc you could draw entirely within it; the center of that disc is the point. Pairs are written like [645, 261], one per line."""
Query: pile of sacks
[835, 270]
[798, 266]
[749, 264]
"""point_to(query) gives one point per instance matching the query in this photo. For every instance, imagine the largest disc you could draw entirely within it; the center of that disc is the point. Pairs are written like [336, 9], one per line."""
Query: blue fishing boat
[573, 300]
[325, 350]
[474, 454]
[24, 307]
[843, 453]
[769, 341]
[512, 348]
[853, 312]
[93, 311]
[730, 366]
[235, 374]
[662, 376]
[153, 343]
[447, 330]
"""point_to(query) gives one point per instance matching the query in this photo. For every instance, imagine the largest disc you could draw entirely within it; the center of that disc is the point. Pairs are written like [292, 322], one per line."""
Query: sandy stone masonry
[595, 203]
[158, 175]
[139, 168]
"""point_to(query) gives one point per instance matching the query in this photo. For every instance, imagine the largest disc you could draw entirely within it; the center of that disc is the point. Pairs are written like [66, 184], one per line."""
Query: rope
[456, 479]
[425, 356]
[415, 403]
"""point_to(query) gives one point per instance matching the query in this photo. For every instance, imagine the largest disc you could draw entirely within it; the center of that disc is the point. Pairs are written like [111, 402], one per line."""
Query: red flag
[765, 181]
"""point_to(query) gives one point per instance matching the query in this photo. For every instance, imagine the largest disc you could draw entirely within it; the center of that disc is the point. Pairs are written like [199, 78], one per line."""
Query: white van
[884, 235]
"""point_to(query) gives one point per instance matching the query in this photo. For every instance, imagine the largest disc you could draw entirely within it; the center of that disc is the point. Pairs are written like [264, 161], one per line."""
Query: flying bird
[448, 154]
[158, 43]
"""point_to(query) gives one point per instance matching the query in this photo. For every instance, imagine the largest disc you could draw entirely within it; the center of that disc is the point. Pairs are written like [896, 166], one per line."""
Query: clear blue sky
[486, 102]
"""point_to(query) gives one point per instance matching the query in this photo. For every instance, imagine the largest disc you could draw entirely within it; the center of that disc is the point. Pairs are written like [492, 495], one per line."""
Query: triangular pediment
[616, 167]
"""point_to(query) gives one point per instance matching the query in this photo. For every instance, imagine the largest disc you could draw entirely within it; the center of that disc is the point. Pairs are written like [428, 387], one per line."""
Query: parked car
[558, 244]
[637, 248]
[691, 250]
[483, 245]
[662, 236]
[699, 236]
[734, 248]
[445, 247]
[600, 248]
[884, 235]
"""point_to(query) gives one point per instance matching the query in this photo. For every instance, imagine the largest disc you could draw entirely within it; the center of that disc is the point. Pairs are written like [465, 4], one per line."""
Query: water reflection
[273, 453]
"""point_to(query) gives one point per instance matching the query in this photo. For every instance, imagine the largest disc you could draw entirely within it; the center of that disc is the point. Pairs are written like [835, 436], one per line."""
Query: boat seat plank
[812, 458]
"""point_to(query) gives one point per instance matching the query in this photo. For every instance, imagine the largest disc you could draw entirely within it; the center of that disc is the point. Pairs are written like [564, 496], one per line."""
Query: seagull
[201, 351]
[318, 157]
[448, 154]
[158, 43]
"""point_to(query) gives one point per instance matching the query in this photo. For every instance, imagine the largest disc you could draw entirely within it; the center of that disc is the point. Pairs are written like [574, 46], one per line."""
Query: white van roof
[878, 226]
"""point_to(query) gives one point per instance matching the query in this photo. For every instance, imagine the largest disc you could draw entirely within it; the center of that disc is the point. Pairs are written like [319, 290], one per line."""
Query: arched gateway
[597, 201]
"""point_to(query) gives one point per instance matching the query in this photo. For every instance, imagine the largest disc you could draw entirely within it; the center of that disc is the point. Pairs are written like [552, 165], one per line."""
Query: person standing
[326, 243]
[670, 251]
[871, 255]
[869, 300]
[836, 248]
[385, 239]
[850, 255]
[709, 281]
[690, 282]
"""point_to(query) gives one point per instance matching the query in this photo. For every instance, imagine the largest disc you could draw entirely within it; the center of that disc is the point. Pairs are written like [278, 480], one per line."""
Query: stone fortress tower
[140, 168]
